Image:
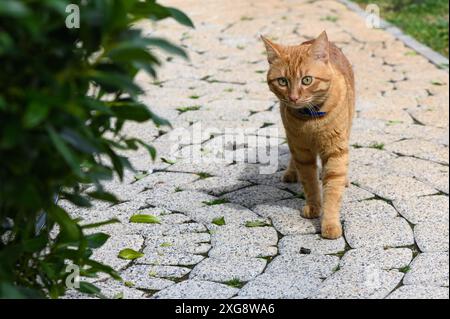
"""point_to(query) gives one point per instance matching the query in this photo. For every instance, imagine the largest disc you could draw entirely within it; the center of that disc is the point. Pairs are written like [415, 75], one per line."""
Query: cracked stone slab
[226, 269]
[423, 209]
[141, 277]
[419, 292]
[232, 213]
[191, 243]
[393, 258]
[176, 258]
[367, 209]
[183, 201]
[286, 218]
[168, 271]
[421, 149]
[107, 254]
[318, 266]
[374, 232]
[432, 236]
[216, 185]
[255, 195]
[354, 193]
[359, 283]
[394, 187]
[195, 289]
[429, 269]
[294, 244]
[280, 286]
[244, 242]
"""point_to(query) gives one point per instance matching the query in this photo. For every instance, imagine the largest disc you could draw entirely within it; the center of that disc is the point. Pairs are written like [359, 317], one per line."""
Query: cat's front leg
[306, 165]
[335, 169]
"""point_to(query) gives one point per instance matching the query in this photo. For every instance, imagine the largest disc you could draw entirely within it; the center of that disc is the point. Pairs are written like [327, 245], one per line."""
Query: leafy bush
[65, 95]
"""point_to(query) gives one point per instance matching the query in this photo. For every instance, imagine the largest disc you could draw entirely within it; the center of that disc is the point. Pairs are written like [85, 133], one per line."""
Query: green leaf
[69, 227]
[180, 17]
[166, 46]
[13, 8]
[104, 196]
[97, 240]
[65, 151]
[99, 224]
[131, 111]
[88, 288]
[130, 254]
[219, 221]
[145, 219]
[256, 223]
[35, 114]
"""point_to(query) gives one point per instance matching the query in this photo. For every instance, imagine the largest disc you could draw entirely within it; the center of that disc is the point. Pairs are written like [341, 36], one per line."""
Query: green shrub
[65, 95]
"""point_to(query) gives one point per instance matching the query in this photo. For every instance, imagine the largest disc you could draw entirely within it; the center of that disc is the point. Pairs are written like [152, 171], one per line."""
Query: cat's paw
[310, 211]
[331, 229]
[289, 177]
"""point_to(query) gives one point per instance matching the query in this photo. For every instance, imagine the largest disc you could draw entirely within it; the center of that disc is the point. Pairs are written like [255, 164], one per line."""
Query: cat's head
[301, 75]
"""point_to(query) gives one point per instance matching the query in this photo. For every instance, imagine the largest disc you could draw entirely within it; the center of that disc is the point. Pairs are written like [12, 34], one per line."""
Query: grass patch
[235, 283]
[218, 201]
[194, 97]
[166, 244]
[378, 146]
[330, 18]
[260, 71]
[356, 145]
[220, 221]
[404, 269]
[394, 122]
[178, 189]
[425, 20]
[203, 175]
[246, 18]
[185, 109]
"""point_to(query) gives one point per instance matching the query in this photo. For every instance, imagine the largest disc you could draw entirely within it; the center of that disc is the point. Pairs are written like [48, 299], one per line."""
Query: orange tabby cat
[315, 85]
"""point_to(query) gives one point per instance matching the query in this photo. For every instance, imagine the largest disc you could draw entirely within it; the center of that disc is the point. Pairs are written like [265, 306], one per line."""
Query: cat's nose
[294, 98]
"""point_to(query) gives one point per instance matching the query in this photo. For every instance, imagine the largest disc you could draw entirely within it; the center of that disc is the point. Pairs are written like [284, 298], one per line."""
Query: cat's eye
[307, 80]
[282, 81]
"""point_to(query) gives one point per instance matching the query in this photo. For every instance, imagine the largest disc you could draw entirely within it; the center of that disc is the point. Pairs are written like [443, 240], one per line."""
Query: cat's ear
[319, 50]
[273, 50]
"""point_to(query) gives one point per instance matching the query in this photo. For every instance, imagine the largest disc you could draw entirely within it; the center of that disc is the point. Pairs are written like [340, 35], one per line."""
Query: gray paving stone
[425, 208]
[244, 242]
[378, 232]
[216, 185]
[429, 269]
[255, 195]
[280, 286]
[226, 269]
[387, 259]
[170, 259]
[317, 266]
[183, 201]
[194, 289]
[367, 209]
[107, 254]
[354, 193]
[168, 271]
[141, 277]
[232, 213]
[293, 244]
[286, 218]
[421, 149]
[432, 236]
[419, 292]
[394, 187]
[359, 283]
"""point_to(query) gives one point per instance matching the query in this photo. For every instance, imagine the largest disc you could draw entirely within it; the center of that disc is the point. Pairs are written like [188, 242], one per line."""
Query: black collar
[313, 112]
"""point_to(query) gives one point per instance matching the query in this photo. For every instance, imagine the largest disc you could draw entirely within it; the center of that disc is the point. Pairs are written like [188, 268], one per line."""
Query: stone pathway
[224, 229]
